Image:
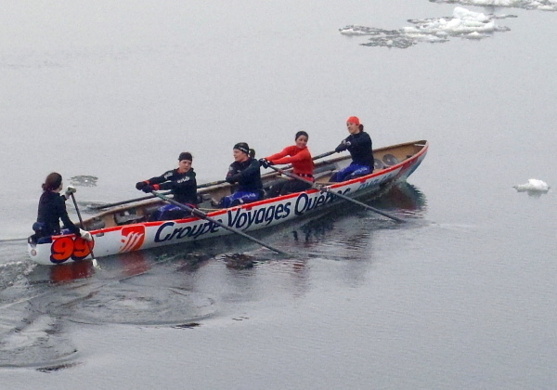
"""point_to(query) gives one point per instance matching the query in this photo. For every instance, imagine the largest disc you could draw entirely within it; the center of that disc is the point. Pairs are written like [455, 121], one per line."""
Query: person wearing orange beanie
[359, 145]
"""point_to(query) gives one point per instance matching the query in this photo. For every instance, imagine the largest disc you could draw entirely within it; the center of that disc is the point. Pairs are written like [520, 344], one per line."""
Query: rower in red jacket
[300, 157]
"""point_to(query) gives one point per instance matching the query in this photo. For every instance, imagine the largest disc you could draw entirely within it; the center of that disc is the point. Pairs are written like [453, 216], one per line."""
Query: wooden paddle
[202, 215]
[205, 185]
[83, 227]
[328, 189]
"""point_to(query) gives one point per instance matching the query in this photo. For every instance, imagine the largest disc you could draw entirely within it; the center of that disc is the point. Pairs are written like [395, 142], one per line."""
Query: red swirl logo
[132, 238]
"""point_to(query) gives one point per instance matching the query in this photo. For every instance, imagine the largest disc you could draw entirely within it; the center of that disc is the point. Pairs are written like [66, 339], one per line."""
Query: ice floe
[463, 23]
[541, 5]
[84, 180]
[533, 186]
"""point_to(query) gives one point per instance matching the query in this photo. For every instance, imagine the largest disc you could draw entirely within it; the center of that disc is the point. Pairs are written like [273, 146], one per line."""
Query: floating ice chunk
[84, 180]
[475, 35]
[465, 14]
[355, 30]
[542, 5]
[533, 185]
[463, 23]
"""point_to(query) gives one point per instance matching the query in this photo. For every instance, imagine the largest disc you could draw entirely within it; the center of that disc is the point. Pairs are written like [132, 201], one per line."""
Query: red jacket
[299, 158]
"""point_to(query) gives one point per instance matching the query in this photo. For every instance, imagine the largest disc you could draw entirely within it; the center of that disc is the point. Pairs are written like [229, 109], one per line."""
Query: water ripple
[134, 305]
[36, 340]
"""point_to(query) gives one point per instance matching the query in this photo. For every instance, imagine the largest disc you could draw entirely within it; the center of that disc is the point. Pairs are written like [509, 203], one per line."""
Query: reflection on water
[71, 271]
[404, 199]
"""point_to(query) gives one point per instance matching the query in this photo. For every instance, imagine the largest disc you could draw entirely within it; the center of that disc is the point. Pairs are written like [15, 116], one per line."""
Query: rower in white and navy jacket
[181, 181]
[245, 171]
[358, 143]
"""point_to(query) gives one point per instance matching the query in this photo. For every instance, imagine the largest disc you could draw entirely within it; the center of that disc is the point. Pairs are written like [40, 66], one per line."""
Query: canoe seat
[324, 168]
[127, 217]
[95, 224]
[390, 159]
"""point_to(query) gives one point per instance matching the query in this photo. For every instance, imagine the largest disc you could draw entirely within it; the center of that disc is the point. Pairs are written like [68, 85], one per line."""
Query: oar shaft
[104, 206]
[202, 215]
[81, 221]
[151, 196]
[347, 198]
[77, 210]
[210, 184]
[363, 205]
[314, 158]
[324, 155]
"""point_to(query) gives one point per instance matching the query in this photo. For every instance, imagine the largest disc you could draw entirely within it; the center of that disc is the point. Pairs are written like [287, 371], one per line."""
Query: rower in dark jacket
[358, 143]
[181, 181]
[245, 172]
[52, 209]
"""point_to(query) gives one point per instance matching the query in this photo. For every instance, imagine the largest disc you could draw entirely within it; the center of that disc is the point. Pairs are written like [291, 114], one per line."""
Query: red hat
[353, 119]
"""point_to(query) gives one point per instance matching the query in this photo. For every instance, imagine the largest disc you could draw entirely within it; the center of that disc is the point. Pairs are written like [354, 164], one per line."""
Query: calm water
[462, 296]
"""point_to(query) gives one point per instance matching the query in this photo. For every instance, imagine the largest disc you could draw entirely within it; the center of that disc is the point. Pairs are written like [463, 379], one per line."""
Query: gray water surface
[461, 296]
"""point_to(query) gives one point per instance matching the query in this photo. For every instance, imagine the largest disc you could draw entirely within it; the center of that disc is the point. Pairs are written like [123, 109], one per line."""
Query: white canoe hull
[249, 217]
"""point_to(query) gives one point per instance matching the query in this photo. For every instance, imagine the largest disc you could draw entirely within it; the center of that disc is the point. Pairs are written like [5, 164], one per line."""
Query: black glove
[264, 163]
[140, 185]
[343, 146]
[147, 188]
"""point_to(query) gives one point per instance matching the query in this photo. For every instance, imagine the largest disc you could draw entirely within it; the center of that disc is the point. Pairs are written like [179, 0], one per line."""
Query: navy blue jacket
[52, 209]
[182, 185]
[247, 174]
[360, 148]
